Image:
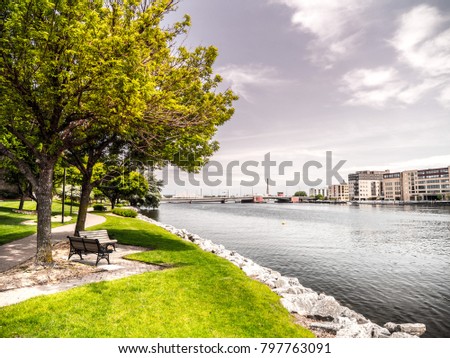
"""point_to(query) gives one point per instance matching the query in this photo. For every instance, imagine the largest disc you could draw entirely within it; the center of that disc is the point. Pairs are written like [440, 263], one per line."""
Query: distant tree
[319, 197]
[12, 176]
[124, 186]
[153, 196]
[300, 193]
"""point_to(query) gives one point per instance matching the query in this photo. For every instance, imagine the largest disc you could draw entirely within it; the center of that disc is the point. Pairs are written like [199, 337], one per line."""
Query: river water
[389, 263]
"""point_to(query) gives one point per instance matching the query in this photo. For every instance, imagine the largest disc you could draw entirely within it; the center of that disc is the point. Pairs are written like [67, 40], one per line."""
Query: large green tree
[181, 117]
[69, 68]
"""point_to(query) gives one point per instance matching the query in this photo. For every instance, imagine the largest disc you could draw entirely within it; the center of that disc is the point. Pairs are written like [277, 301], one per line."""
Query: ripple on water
[389, 263]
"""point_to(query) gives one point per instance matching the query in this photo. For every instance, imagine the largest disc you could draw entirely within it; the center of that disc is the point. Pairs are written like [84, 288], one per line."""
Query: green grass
[200, 295]
[10, 222]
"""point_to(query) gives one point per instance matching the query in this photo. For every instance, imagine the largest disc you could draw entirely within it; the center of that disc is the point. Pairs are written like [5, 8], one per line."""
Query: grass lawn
[10, 227]
[201, 295]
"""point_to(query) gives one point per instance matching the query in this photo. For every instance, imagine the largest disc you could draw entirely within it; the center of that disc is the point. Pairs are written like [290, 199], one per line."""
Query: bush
[129, 213]
[99, 207]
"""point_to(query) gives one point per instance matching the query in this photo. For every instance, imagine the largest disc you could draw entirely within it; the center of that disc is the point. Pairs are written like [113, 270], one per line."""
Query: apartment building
[392, 186]
[366, 185]
[338, 192]
[314, 192]
[426, 184]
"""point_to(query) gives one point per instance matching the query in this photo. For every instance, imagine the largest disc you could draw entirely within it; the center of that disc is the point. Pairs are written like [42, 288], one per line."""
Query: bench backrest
[91, 245]
[76, 242]
[88, 245]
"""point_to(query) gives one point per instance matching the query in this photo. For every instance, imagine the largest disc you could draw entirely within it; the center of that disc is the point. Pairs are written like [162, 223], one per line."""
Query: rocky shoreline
[325, 312]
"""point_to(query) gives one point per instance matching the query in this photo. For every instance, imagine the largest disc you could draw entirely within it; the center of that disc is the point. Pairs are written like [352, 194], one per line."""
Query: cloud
[422, 42]
[243, 77]
[383, 86]
[335, 25]
[372, 87]
[444, 97]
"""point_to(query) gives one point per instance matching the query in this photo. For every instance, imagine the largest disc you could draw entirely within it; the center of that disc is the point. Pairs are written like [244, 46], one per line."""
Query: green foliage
[78, 77]
[300, 193]
[124, 184]
[128, 213]
[99, 207]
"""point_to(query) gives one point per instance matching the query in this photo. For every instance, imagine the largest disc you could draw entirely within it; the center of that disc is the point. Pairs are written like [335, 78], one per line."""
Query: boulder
[392, 327]
[347, 312]
[330, 327]
[402, 335]
[414, 329]
[290, 290]
[380, 332]
[326, 308]
[252, 270]
[351, 329]
[304, 303]
[282, 282]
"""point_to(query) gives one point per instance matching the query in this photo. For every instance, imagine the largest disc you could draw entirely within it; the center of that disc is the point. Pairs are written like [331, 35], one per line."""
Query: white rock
[355, 330]
[402, 335]
[326, 308]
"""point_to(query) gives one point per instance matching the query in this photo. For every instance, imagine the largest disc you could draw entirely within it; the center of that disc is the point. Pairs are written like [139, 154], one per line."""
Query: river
[389, 263]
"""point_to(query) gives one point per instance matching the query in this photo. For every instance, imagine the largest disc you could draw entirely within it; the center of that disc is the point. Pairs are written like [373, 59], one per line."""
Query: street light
[63, 196]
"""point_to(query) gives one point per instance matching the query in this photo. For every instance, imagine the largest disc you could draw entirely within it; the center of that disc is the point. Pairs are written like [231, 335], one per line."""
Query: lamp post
[71, 199]
[63, 196]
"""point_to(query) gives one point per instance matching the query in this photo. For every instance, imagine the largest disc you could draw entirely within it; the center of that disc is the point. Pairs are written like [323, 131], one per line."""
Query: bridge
[238, 199]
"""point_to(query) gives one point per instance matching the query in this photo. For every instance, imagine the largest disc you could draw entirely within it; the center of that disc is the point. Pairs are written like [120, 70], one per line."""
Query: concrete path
[18, 251]
[119, 268]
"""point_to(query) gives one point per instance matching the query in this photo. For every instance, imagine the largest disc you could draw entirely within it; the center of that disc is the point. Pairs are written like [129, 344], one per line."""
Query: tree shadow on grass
[154, 240]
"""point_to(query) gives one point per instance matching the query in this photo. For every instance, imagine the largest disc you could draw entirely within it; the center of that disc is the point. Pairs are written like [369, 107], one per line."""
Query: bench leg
[102, 256]
[74, 252]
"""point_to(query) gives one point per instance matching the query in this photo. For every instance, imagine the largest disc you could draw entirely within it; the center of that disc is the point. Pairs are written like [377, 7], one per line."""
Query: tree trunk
[113, 200]
[44, 212]
[22, 201]
[86, 189]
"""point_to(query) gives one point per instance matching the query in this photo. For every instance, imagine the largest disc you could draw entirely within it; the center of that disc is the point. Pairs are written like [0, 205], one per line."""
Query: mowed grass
[200, 295]
[10, 222]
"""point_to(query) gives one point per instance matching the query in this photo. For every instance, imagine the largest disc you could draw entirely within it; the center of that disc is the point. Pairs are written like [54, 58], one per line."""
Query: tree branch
[21, 165]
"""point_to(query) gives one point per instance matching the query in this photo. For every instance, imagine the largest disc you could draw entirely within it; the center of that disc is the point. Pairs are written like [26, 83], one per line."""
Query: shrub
[129, 213]
[99, 207]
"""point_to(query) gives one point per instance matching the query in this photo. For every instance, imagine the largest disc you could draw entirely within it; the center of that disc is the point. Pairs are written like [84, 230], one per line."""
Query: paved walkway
[119, 268]
[18, 251]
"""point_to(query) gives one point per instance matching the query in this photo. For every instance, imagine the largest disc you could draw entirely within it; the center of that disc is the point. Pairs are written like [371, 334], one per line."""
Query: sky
[367, 80]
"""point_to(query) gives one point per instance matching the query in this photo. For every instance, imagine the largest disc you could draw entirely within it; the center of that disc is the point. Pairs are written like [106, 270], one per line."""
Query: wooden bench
[81, 245]
[101, 235]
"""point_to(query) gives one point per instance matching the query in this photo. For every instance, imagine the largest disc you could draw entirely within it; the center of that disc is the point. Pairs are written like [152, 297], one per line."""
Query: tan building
[392, 186]
[426, 184]
[366, 185]
[338, 192]
[314, 192]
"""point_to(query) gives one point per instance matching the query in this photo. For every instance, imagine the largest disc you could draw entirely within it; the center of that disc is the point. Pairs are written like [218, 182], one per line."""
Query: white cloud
[369, 78]
[422, 43]
[444, 97]
[372, 87]
[243, 77]
[423, 40]
[383, 86]
[335, 25]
